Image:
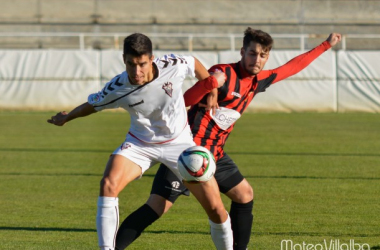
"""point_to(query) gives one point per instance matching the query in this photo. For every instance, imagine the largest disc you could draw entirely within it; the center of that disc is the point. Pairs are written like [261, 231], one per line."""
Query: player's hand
[334, 38]
[59, 119]
[212, 101]
[220, 77]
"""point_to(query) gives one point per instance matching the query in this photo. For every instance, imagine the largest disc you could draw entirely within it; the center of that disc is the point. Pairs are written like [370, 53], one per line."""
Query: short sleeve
[106, 98]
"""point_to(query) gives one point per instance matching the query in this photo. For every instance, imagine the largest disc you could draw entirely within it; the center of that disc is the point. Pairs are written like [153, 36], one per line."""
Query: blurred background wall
[53, 53]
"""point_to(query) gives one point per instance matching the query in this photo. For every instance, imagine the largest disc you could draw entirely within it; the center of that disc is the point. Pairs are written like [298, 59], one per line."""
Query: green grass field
[316, 177]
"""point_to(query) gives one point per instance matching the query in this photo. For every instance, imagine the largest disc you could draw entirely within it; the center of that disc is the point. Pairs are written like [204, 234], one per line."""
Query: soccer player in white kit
[151, 91]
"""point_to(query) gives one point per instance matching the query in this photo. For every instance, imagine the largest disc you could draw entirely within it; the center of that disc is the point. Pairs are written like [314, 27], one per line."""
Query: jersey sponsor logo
[135, 104]
[168, 87]
[225, 117]
[236, 94]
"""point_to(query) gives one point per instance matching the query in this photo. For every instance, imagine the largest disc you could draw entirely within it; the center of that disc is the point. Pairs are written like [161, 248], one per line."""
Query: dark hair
[137, 45]
[258, 36]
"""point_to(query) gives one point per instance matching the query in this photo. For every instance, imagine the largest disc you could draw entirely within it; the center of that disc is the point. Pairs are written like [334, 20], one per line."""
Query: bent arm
[195, 94]
[200, 70]
[207, 83]
[63, 117]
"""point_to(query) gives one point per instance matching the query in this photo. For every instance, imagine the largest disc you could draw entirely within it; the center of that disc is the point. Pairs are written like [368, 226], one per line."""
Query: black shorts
[167, 185]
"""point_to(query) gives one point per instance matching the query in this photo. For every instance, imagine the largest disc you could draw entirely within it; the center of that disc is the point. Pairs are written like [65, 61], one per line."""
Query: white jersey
[157, 108]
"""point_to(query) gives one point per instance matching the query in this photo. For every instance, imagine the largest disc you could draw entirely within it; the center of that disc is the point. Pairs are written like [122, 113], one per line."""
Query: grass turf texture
[316, 177]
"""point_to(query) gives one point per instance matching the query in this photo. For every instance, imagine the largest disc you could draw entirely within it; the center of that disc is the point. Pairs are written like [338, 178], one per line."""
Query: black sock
[133, 225]
[241, 222]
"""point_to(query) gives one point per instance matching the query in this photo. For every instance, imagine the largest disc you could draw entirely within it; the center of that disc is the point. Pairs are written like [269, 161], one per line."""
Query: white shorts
[148, 154]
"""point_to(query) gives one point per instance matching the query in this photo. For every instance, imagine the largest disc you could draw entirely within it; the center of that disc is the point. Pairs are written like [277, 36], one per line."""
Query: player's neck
[154, 73]
[243, 72]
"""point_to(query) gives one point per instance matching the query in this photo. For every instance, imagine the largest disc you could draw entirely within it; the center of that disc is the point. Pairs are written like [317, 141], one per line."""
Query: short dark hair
[258, 36]
[137, 45]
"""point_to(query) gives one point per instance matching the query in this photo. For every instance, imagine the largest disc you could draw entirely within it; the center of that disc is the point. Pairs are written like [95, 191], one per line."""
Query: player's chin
[138, 81]
[253, 71]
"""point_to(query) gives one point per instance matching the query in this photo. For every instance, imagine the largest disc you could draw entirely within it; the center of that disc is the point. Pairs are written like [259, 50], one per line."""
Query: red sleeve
[195, 94]
[296, 64]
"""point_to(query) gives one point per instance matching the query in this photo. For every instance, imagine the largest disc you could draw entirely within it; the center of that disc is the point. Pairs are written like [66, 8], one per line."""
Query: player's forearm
[82, 110]
[200, 71]
[195, 94]
[300, 62]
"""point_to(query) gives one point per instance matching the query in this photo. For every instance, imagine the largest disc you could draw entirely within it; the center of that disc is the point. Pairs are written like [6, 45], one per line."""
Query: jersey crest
[168, 87]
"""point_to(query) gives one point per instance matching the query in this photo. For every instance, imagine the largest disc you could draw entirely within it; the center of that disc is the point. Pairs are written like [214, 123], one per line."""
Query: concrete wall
[187, 16]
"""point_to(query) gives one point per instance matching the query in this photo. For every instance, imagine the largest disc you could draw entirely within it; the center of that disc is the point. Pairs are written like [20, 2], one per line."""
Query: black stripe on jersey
[245, 99]
[198, 121]
[236, 90]
[263, 84]
[209, 130]
[95, 106]
[237, 71]
[223, 91]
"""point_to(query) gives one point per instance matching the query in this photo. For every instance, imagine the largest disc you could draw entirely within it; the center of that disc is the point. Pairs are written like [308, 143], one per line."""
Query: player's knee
[247, 195]
[242, 193]
[108, 187]
[216, 211]
[250, 195]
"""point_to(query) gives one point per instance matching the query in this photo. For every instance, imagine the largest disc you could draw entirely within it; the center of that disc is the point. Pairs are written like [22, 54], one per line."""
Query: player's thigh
[167, 185]
[227, 174]
[208, 195]
[118, 173]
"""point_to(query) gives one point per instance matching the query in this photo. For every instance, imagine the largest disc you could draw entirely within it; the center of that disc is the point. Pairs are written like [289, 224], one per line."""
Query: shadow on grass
[247, 176]
[285, 234]
[70, 150]
[85, 230]
[76, 150]
[44, 229]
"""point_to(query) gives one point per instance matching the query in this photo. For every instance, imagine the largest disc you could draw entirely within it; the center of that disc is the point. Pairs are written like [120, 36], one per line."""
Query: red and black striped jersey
[234, 97]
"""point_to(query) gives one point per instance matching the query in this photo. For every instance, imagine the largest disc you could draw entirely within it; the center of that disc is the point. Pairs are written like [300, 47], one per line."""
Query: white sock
[107, 221]
[221, 234]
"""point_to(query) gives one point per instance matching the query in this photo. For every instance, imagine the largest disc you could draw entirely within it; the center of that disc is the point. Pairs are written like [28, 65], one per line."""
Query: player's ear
[124, 58]
[151, 57]
[242, 51]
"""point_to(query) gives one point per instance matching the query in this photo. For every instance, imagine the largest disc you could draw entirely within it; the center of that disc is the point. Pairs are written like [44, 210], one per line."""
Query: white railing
[116, 37]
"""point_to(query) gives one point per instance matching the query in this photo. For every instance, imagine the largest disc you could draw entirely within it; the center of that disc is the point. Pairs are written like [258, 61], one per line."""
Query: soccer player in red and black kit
[211, 129]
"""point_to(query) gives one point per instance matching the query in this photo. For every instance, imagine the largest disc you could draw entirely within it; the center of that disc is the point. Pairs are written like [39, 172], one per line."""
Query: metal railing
[190, 37]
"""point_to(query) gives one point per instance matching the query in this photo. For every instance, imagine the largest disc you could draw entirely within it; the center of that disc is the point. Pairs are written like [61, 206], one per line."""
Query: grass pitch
[316, 178]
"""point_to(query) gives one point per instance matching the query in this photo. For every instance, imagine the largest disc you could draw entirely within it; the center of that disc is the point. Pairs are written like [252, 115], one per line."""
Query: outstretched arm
[62, 117]
[302, 61]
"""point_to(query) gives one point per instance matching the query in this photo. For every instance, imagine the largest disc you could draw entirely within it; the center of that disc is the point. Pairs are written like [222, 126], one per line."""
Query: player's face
[254, 58]
[139, 69]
